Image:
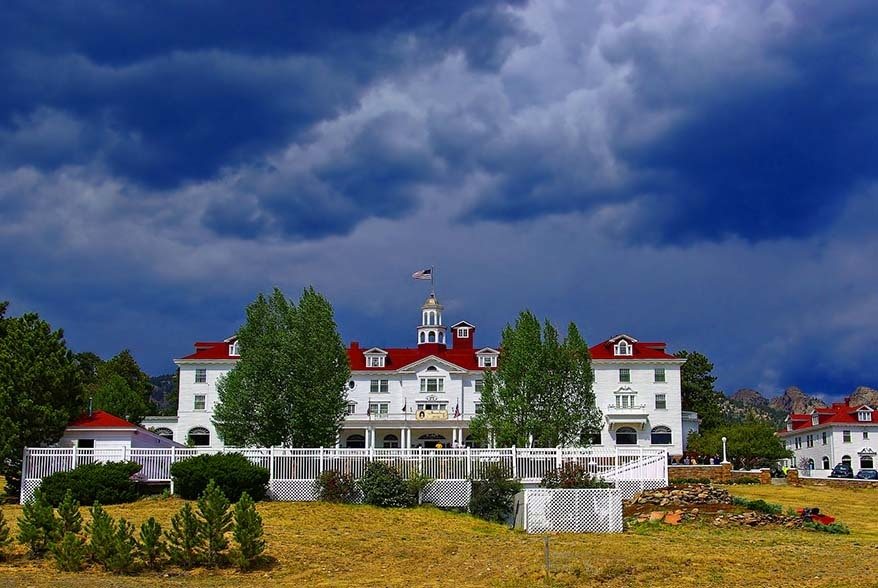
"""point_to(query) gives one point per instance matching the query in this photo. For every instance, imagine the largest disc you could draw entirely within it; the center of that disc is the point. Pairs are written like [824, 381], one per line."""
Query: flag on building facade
[424, 274]
[405, 405]
[456, 410]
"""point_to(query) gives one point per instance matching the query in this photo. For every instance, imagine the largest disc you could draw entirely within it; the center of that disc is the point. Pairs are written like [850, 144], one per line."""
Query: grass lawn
[339, 545]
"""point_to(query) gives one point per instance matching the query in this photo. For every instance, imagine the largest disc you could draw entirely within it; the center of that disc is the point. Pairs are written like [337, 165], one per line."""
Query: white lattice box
[586, 510]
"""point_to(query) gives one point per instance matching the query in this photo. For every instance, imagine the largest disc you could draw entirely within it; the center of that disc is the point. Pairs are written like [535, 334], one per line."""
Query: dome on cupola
[432, 302]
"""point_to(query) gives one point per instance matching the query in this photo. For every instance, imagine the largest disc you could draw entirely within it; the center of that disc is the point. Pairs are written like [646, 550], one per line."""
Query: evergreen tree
[113, 394]
[216, 520]
[697, 389]
[185, 540]
[68, 513]
[101, 532]
[541, 388]
[247, 532]
[288, 388]
[40, 390]
[69, 553]
[5, 539]
[121, 560]
[151, 545]
[37, 527]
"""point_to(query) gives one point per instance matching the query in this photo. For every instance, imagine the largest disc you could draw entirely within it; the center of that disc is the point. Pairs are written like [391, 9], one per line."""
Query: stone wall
[834, 482]
[719, 474]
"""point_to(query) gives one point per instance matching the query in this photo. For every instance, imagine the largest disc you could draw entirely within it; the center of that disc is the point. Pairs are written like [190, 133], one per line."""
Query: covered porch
[406, 436]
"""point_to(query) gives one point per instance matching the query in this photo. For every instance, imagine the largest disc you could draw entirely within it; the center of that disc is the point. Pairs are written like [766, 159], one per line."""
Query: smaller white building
[102, 430]
[830, 435]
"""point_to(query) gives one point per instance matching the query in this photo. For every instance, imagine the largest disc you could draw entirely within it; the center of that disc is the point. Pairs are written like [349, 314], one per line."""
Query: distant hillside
[748, 401]
[164, 393]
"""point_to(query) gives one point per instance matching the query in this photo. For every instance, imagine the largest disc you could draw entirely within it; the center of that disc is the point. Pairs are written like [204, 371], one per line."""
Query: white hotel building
[426, 395]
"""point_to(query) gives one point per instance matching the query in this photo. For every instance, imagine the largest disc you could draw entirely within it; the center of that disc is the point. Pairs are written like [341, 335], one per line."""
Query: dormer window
[233, 350]
[864, 416]
[623, 347]
[487, 361]
[463, 333]
[375, 361]
[815, 419]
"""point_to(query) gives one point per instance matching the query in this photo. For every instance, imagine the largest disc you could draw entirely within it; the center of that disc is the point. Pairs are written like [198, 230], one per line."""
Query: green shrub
[101, 532]
[5, 539]
[247, 532]
[185, 539]
[70, 521]
[69, 553]
[833, 528]
[382, 485]
[491, 498]
[107, 483]
[37, 527]
[758, 505]
[232, 472]
[417, 483]
[745, 480]
[121, 560]
[216, 520]
[572, 475]
[680, 481]
[332, 486]
[151, 546]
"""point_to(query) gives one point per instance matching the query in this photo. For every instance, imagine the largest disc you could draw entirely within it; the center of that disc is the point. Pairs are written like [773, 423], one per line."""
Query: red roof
[101, 420]
[211, 350]
[839, 412]
[642, 350]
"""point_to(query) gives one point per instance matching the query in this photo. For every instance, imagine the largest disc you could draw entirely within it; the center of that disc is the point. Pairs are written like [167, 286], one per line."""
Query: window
[463, 333]
[375, 361]
[625, 400]
[661, 436]
[378, 386]
[480, 386]
[233, 350]
[431, 337]
[85, 443]
[200, 375]
[846, 436]
[626, 436]
[798, 442]
[164, 432]
[432, 384]
[623, 348]
[824, 437]
[846, 459]
[423, 337]
[624, 375]
[660, 375]
[661, 401]
[864, 415]
[391, 441]
[866, 462]
[810, 442]
[810, 464]
[379, 408]
[486, 361]
[865, 435]
[199, 437]
[351, 409]
[478, 408]
[355, 442]
[432, 406]
[825, 462]
[200, 401]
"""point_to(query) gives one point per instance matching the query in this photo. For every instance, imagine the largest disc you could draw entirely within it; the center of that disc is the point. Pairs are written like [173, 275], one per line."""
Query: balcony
[631, 415]
[416, 416]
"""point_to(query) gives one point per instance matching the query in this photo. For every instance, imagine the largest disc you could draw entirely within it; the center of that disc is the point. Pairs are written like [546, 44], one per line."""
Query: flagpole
[432, 278]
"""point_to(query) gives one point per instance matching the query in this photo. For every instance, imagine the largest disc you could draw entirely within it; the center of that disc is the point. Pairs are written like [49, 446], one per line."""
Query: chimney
[355, 345]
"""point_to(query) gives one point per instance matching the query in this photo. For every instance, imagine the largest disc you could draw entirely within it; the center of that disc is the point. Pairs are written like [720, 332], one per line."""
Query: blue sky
[695, 172]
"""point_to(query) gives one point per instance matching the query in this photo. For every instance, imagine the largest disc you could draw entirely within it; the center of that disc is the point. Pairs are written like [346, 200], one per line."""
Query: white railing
[647, 468]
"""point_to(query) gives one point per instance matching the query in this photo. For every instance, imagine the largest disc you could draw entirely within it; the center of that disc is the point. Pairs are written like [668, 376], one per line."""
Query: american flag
[424, 274]
[456, 410]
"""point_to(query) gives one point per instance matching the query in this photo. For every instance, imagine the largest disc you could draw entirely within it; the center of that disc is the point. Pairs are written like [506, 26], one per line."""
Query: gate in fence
[292, 471]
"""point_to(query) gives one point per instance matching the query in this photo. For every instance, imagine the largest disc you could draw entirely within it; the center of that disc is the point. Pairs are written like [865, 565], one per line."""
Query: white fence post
[320, 469]
[73, 460]
[514, 463]
[469, 463]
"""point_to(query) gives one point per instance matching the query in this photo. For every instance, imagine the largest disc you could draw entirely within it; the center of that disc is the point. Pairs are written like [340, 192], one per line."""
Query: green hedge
[232, 472]
[491, 498]
[107, 483]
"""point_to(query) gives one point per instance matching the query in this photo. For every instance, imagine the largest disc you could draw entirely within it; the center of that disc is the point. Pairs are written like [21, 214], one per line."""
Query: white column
[402, 438]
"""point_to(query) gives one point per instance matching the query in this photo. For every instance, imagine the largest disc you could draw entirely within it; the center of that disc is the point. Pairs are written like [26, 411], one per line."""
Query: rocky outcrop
[684, 496]
[864, 395]
[794, 400]
[750, 397]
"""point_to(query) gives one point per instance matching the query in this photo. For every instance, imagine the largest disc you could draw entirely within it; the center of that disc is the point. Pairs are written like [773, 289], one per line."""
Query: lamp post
[725, 459]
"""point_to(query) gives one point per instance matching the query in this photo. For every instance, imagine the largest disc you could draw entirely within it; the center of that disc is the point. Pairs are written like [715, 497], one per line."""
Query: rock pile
[757, 519]
[683, 496]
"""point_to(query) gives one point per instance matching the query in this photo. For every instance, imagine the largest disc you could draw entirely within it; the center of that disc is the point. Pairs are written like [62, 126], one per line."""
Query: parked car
[842, 470]
[867, 475]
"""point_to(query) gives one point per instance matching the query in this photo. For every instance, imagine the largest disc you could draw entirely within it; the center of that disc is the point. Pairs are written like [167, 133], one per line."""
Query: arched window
[470, 441]
[441, 337]
[423, 337]
[164, 432]
[199, 437]
[432, 368]
[431, 337]
[825, 462]
[355, 442]
[846, 459]
[660, 436]
[626, 436]
[391, 441]
[810, 464]
[866, 462]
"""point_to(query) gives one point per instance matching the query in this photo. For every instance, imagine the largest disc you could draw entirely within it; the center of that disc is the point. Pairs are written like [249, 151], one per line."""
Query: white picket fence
[292, 471]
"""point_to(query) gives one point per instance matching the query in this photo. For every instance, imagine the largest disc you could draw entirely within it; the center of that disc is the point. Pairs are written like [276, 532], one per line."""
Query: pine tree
[216, 520]
[247, 532]
[151, 545]
[37, 527]
[5, 539]
[121, 560]
[101, 531]
[185, 540]
[68, 513]
[69, 553]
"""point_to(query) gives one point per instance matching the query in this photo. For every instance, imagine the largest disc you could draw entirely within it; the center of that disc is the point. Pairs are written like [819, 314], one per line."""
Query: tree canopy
[697, 389]
[40, 389]
[542, 388]
[288, 388]
[117, 385]
[752, 442]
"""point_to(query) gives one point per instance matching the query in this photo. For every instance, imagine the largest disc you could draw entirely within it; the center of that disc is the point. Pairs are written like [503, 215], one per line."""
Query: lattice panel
[292, 490]
[27, 489]
[572, 511]
[448, 493]
[630, 488]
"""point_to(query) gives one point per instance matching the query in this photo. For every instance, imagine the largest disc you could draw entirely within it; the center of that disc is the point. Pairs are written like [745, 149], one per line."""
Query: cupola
[431, 331]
